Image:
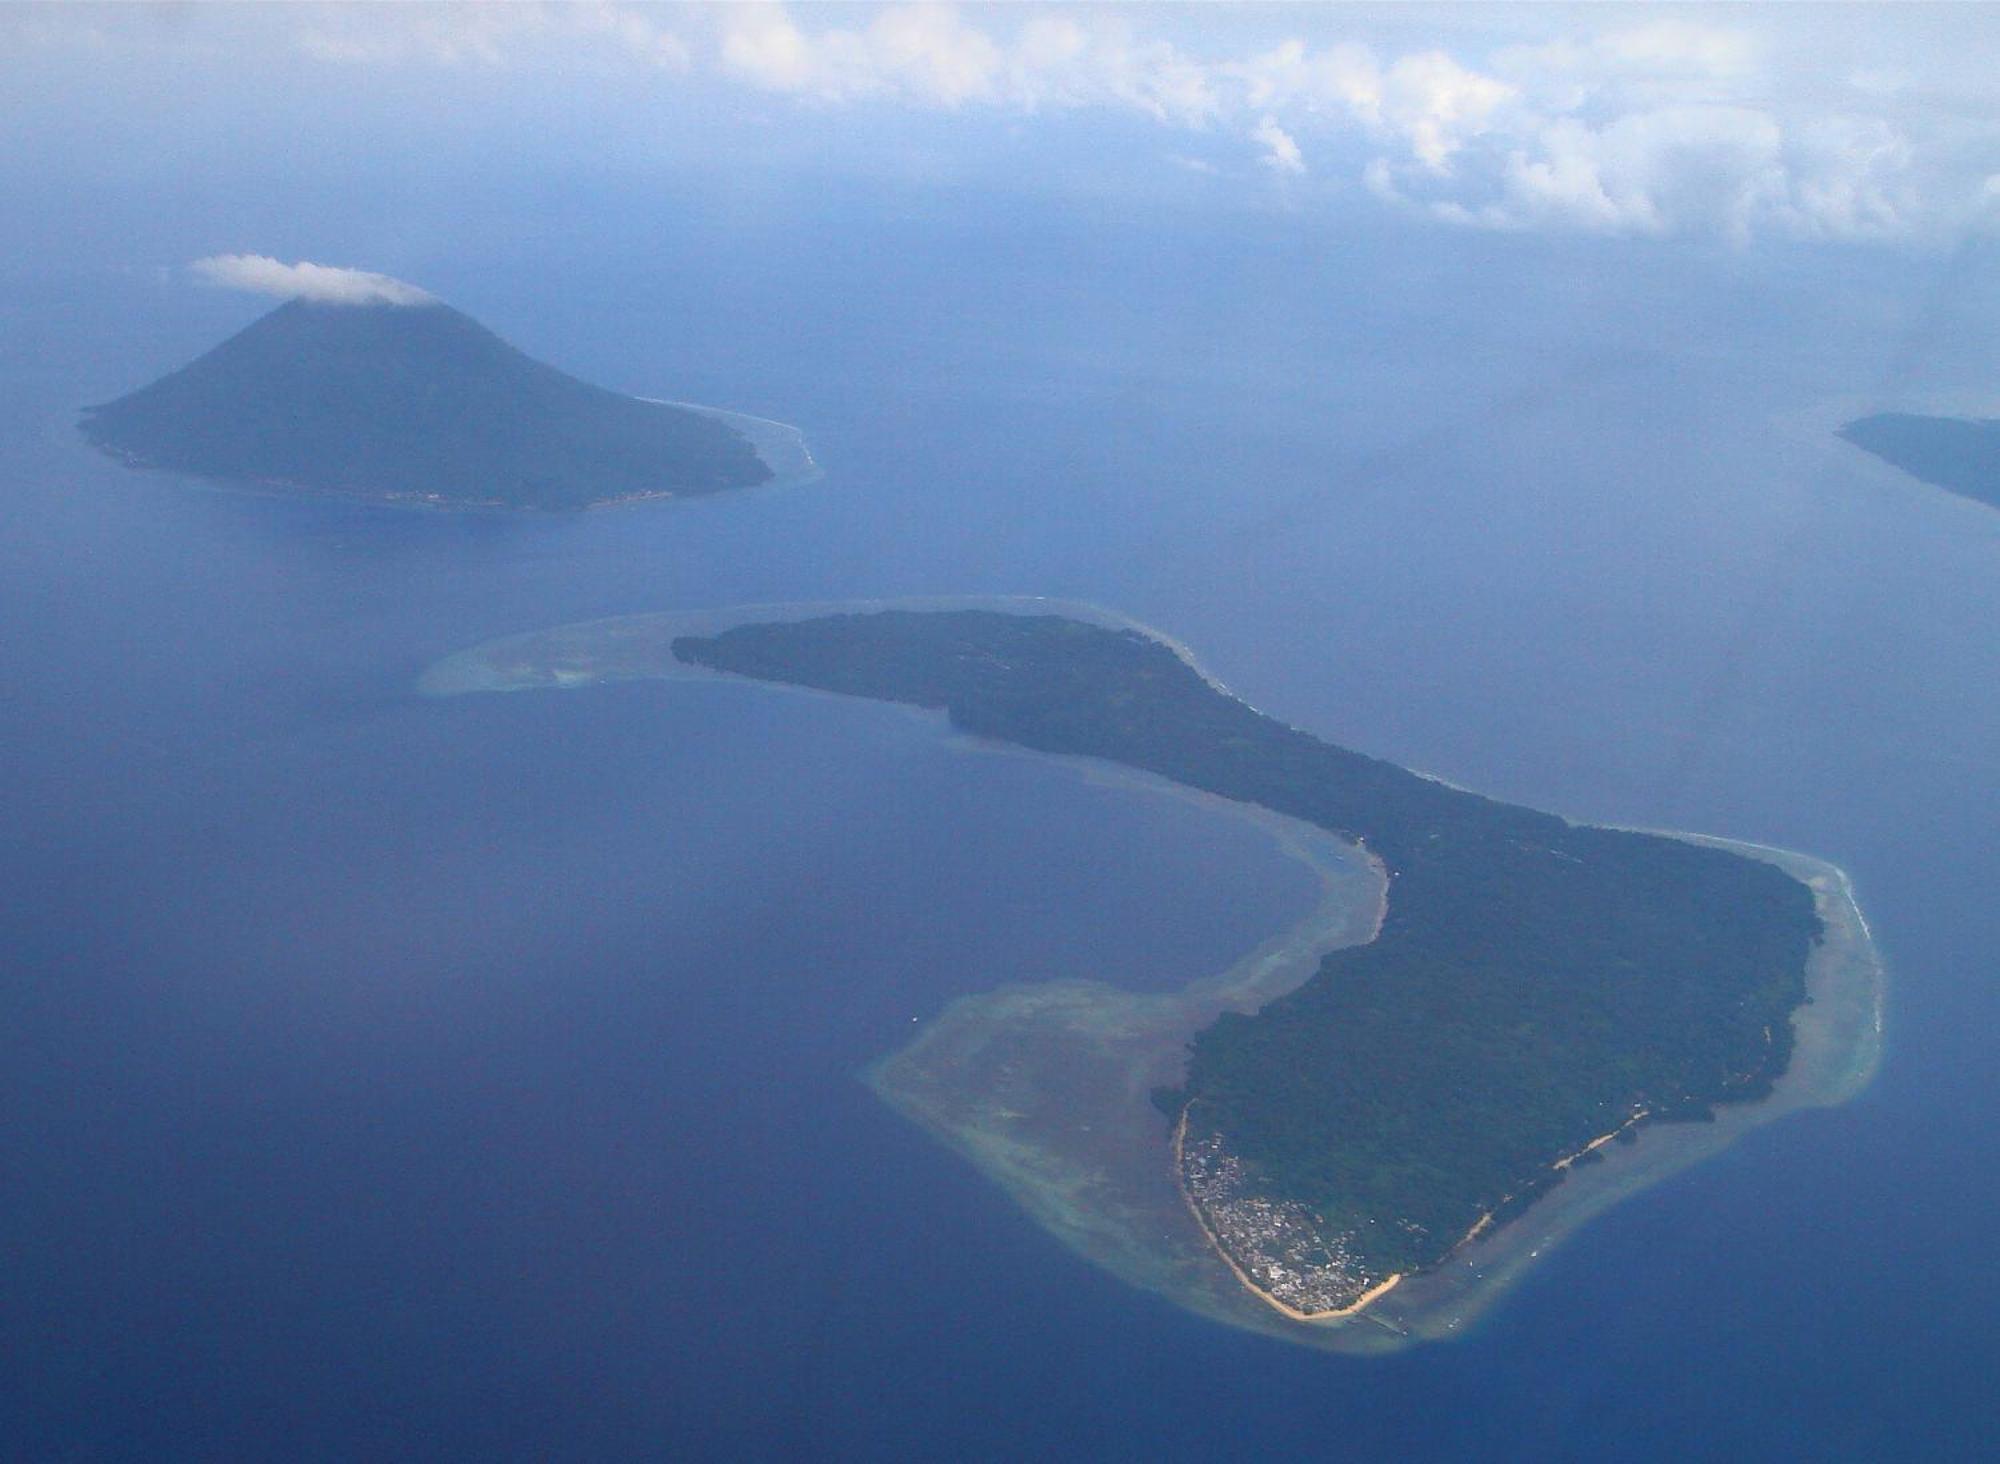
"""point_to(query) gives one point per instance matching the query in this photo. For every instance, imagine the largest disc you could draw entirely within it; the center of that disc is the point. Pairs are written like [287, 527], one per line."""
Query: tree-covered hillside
[1534, 986]
[412, 402]
[1959, 454]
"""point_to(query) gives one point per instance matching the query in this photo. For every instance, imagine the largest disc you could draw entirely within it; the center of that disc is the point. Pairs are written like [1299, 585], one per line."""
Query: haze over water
[474, 1078]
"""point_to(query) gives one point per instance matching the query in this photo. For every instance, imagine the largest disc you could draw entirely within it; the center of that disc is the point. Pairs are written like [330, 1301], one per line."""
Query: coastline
[1045, 1088]
[1836, 1048]
[1354, 1308]
[639, 647]
[1814, 433]
[780, 446]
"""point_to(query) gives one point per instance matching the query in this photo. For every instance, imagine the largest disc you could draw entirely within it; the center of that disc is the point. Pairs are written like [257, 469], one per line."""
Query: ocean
[393, 1077]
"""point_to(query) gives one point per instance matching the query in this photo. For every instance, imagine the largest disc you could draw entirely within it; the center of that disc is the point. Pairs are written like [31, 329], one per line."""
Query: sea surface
[475, 1078]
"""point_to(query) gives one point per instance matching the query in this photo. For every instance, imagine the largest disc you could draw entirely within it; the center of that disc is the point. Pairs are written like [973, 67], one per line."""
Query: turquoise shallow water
[477, 1078]
[1042, 1085]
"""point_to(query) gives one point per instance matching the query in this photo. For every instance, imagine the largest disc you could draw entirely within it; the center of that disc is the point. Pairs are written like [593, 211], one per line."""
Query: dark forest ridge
[413, 403]
[1958, 454]
[1536, 987]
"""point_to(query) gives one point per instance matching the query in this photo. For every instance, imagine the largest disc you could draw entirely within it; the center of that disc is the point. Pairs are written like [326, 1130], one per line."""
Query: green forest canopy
[1535, 984]
[1955, 453]
[412, 402]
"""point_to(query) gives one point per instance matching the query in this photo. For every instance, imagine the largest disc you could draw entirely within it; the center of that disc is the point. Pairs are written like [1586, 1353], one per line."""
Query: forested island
[1491, 1025]
[418, 404]
[1536, 988]
[1958, 454]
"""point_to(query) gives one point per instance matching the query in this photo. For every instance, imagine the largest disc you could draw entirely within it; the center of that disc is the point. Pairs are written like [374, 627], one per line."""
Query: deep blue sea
[474, 1079]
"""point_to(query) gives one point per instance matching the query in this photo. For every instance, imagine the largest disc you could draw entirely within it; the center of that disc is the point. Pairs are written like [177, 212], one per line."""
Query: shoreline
[780, 446]
[1828, 1067]
[1353, 1309]
[581, 645]
[1836, 1049]
[1044, 1088]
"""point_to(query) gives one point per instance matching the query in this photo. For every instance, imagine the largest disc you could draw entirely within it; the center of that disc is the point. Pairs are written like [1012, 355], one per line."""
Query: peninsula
[1492, 1012]
[1958, 454]
[417, 403]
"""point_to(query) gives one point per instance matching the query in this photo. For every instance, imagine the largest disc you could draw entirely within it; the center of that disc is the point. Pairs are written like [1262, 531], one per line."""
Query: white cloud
[930, 55]
[471, 35]
[1435, 105]
[1159, 80]
[1680, 45]
[1719, 169]
[493, 37]
[1666, 129]
[941, 55]
[1729, 171]
[1281, 152]
[922, 53]
[1426, 103]
[325, 283]
[636, 33]
[1739, 124]
[1659, 128]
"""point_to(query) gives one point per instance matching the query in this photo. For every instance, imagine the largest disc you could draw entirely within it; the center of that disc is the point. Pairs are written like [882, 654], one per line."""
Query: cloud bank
[1641, 126]
[491, 37]
[1649, 123]
[1743, 124]
[326, 284]
[1281, 150]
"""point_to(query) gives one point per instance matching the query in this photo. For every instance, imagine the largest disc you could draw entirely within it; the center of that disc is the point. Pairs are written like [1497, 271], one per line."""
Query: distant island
[1488, 1003]
[420, 404]
[1958, 454]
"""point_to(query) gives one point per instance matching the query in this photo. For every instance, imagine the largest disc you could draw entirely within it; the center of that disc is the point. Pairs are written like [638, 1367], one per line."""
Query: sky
[1871, 125]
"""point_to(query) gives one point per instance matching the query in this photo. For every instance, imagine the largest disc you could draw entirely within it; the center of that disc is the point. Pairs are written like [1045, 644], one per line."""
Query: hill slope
[1960, 455]
[417, 403]
[1536, 987]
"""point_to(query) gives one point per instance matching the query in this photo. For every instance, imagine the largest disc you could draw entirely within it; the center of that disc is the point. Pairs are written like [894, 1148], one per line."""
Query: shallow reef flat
[641, 647]
[1049, 1089]
[1045, 1089]
[411, 403]
[780, 446]
[1837, 1045]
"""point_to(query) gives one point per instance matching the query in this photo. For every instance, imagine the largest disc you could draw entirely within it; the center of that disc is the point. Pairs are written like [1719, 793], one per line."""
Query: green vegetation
[1535, 984]
[1955, 453]
[416, 403]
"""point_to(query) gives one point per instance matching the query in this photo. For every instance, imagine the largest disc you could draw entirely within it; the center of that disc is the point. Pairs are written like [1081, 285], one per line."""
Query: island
[1958, 454]
[418, 404]
[1492, 1013]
